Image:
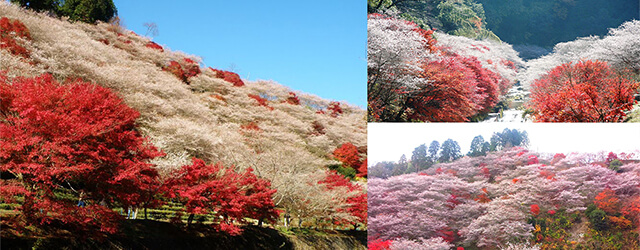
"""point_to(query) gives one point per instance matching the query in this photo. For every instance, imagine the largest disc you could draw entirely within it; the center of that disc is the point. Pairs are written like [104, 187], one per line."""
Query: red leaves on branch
[153, 45]
[61, 137]
[588, 91]
[607, 201]
[451, 95]
[335, 109]
[534, 209]
[357, 204]
[229, 195]
[348, 154]
[183, 71]
[293, 99]
[362, 170]
[9, 31]
[229, 77]
[379, 244]
[261, 101]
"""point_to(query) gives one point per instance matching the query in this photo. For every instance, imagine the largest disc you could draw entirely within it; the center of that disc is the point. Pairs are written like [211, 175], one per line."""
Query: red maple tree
[357, 204]
[607, 201]
[348, 154]
[229, 195]
[588, 91]
[62, 138]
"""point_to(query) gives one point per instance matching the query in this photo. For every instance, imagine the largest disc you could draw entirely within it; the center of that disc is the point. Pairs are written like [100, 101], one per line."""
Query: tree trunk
[190, 220]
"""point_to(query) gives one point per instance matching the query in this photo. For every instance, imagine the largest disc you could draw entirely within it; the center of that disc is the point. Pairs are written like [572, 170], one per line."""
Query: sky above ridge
[388, 141]
[310, 47]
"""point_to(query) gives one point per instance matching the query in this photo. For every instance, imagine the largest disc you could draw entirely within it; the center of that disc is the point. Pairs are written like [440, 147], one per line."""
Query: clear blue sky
[317, 47]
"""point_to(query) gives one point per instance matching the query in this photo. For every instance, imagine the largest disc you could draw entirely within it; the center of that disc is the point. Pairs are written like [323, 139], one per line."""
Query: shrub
[588, 91]
[261, 101]
[184, 71]
[598, 219]
[9, 31]
[335, 109]
[229, 77]
[89, 11]
[293, 99]
[153, 45]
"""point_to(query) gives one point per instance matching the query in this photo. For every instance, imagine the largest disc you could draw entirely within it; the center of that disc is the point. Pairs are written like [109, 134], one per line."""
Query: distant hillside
[286, 136]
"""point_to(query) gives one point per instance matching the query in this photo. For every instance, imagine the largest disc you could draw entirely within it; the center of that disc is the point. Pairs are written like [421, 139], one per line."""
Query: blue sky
[317, 47]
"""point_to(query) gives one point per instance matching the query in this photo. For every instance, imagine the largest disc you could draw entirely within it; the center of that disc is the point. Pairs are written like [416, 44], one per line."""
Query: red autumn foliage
[547, 174]
[534, 209]
[335, 109]
[532, 159]
[487, 82]
[261, 101]
[9, 31]
[362, 170]
[229, 77]
[229, 195]
[607, 201]
[610, 157]
[447, 235]
[191, 68]
[293, 99]
[184, 71]
[176, 69]
[154, 45]
[67, 137]
[379, 244]
[357, 204]
[347, 153]
[253, 126]
[588, 91]
[631, 210]
[450, 96]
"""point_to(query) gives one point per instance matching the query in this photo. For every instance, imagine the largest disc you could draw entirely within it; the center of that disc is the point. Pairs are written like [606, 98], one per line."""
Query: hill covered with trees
[510, 199]
[98, 113]
[409, 42]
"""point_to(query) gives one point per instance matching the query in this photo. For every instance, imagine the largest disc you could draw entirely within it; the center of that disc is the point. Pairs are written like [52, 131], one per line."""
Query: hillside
[189, 110]
[510, 199]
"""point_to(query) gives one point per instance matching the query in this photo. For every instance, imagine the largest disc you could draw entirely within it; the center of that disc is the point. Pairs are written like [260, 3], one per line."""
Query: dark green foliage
[419, 158]
[89, 11]
[434, 147]
[547, 22]
[478, 147]
[450, 151]
[615, 165]
[344, 171]
[509, 138]
[39, 5]
[598, 219]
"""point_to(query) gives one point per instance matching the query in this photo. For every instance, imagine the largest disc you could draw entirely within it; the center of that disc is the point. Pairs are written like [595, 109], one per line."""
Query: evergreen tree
[450, 151]
[419, 157]
[89, 11]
